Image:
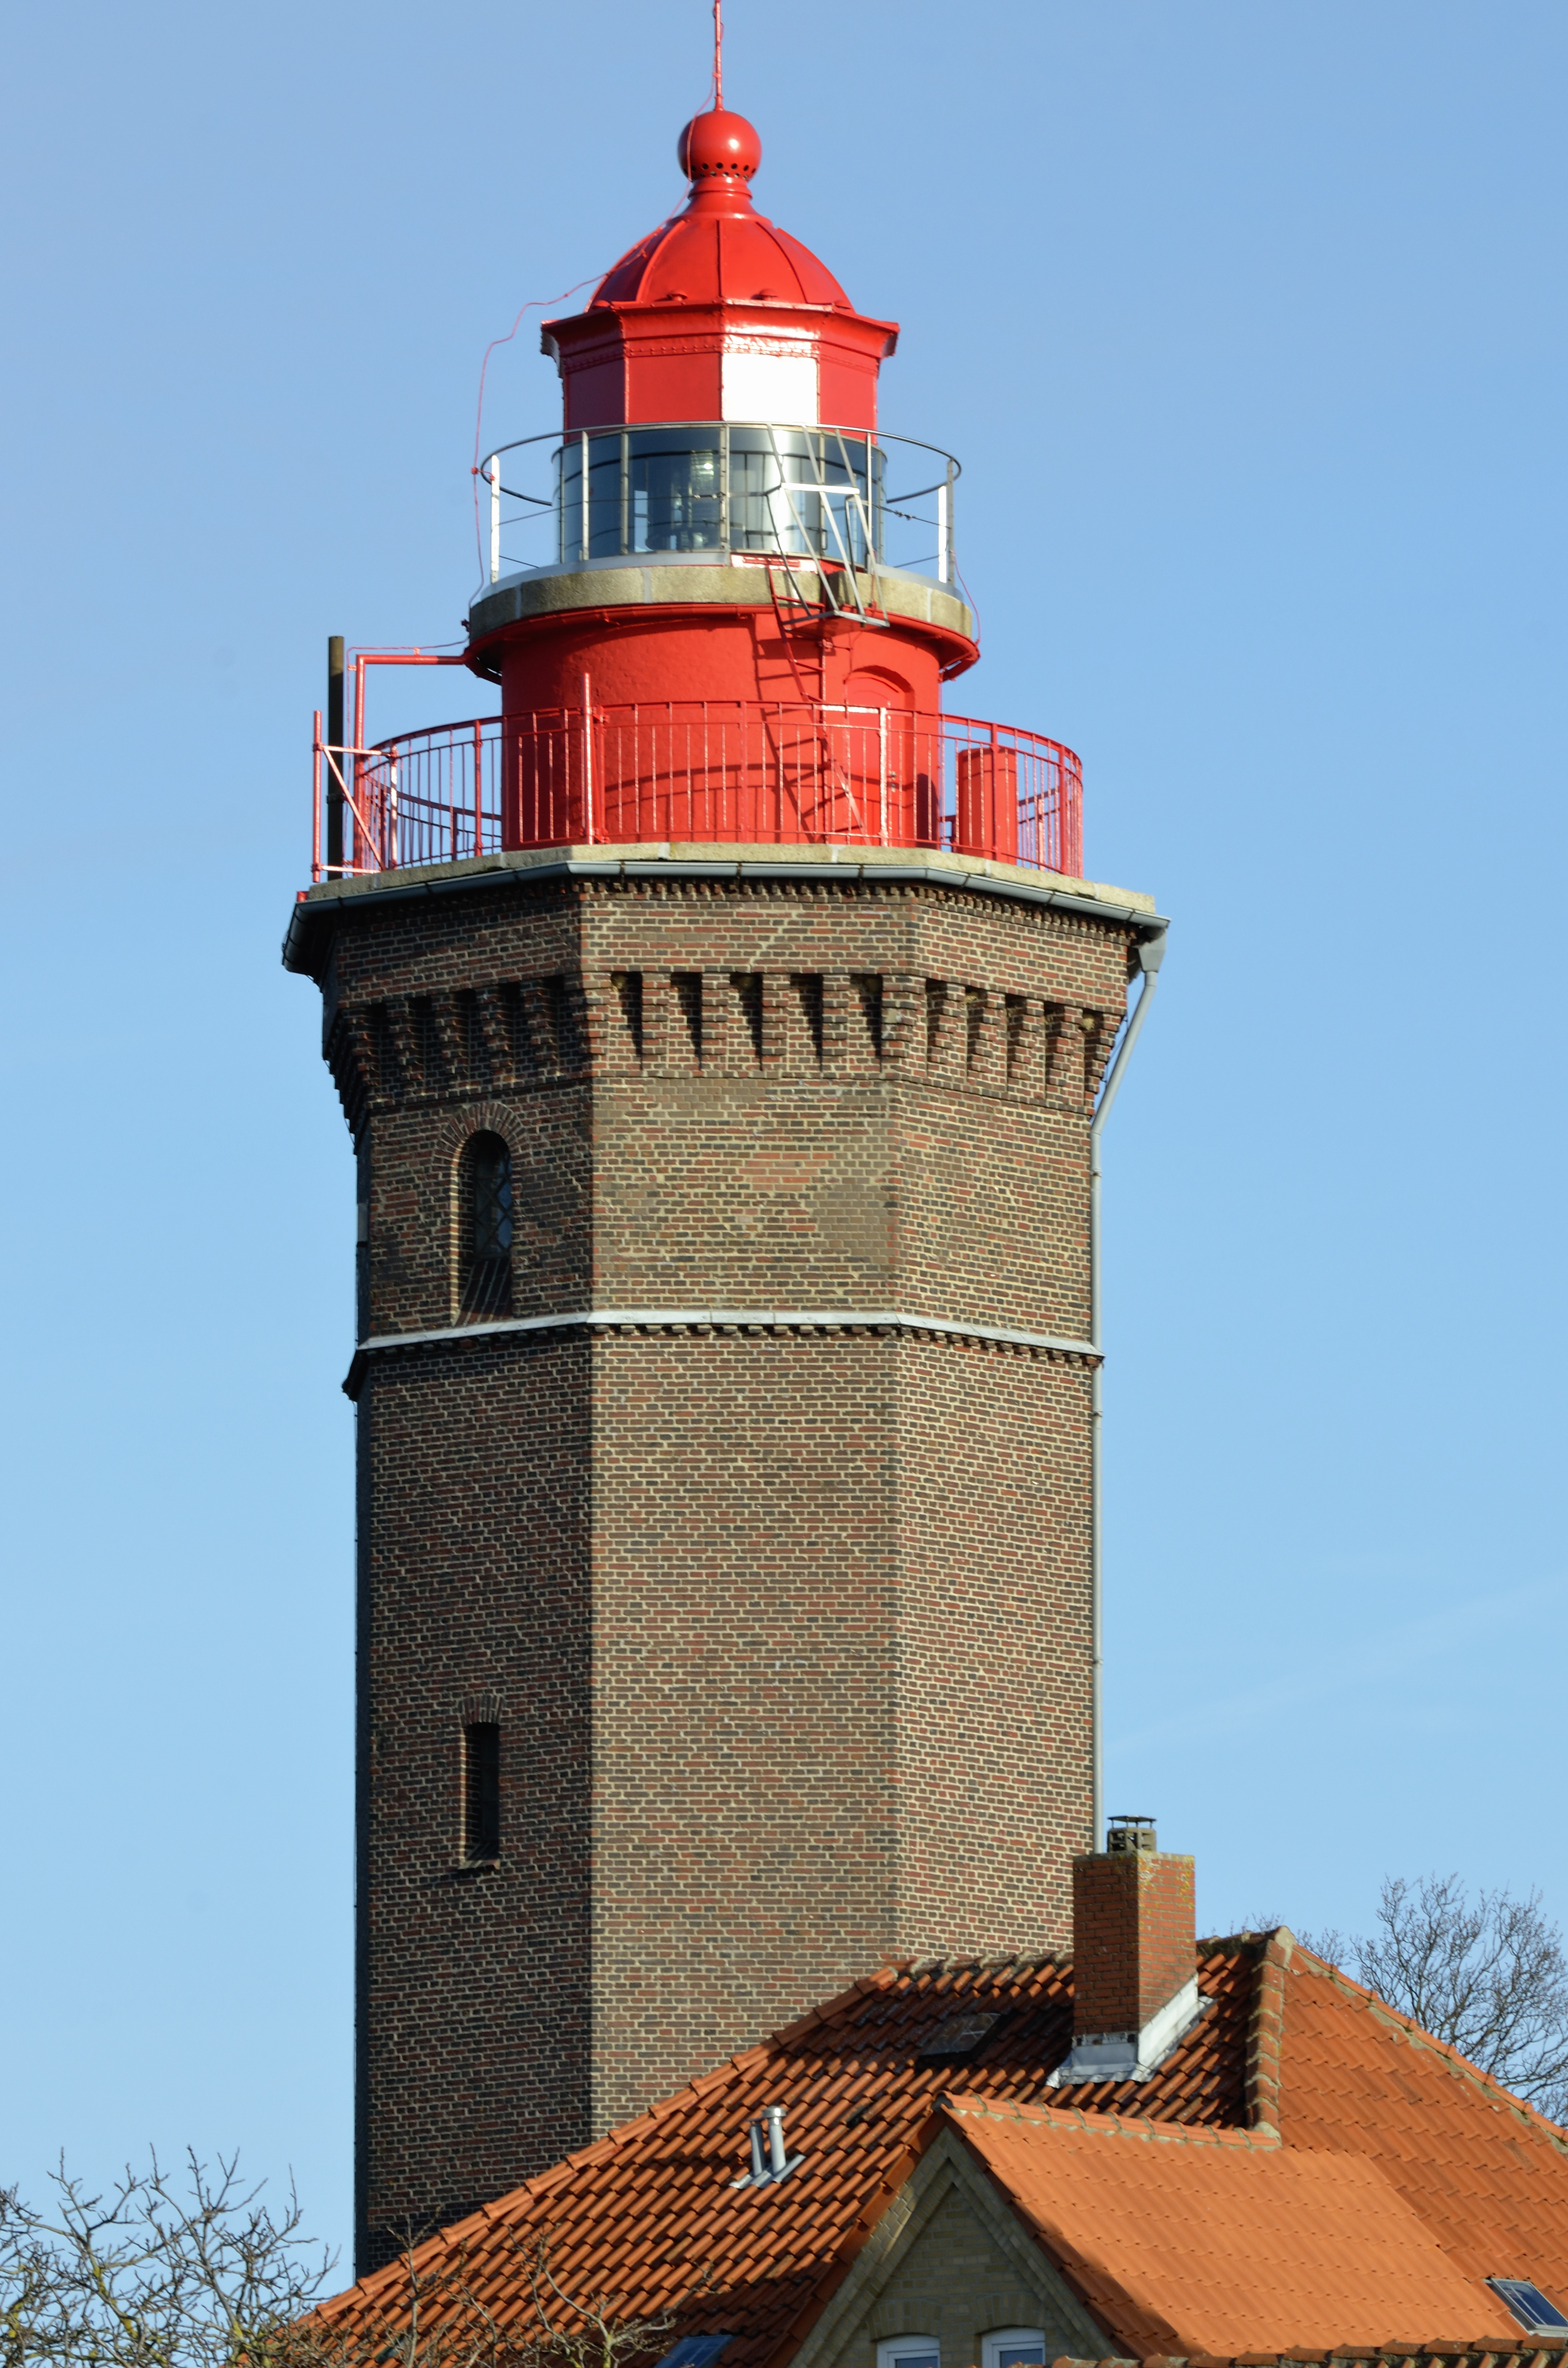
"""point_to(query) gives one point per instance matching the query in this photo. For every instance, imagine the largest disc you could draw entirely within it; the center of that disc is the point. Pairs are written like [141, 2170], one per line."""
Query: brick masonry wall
[787, 1627]
[475, 1990]
[1134, 1933]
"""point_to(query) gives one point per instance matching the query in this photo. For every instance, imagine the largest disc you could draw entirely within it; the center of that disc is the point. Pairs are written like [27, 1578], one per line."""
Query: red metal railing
[786, 774]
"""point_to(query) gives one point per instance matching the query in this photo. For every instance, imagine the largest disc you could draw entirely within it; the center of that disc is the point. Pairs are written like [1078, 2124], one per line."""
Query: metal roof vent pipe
[769, 2161]
[1135, 1956]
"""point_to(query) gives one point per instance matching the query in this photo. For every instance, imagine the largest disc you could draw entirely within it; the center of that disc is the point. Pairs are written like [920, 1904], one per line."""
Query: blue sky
[1246, 323]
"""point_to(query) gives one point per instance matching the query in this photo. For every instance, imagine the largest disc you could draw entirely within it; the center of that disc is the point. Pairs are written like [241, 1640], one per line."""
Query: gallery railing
[749, 772]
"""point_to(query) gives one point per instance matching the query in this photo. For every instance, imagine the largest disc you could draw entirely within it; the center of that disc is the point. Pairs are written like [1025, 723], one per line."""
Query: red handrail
[732, 771]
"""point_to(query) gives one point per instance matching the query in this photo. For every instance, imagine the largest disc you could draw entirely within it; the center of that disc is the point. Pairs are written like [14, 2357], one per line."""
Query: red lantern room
[720, 603]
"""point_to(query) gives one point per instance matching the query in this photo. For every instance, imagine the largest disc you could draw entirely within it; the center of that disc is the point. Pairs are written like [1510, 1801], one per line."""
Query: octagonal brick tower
[719, 1028]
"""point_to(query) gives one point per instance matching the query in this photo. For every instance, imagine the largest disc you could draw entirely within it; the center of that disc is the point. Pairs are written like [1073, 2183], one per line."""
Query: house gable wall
[950, 2259]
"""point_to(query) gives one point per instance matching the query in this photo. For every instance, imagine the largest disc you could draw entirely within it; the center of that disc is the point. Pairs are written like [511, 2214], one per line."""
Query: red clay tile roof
[1487, 2175]
[643, 2215]
[1185, 2240]
[646, 2210]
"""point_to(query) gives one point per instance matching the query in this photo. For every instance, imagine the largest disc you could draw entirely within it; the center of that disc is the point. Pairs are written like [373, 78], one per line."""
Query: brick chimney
[1134, 1933]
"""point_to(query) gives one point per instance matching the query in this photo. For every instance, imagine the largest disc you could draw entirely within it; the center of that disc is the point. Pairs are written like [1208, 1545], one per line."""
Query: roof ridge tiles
[923, 1968]
[1150, 2128]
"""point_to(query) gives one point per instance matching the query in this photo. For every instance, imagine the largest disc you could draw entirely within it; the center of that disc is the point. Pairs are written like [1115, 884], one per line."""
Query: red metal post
[479, 789]
[315, 797]
[588, 758]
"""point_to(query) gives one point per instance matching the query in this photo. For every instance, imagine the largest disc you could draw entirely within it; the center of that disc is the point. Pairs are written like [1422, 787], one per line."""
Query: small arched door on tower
[883, 780]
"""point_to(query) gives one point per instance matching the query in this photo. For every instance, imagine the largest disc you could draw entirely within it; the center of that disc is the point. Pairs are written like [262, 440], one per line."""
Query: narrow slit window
[482, 1792]
[484, 1226]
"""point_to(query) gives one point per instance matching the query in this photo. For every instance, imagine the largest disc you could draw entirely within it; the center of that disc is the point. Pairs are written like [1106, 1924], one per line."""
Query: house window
[1013, 2347]
[481, 1793]
[909, 2351]
[484, 1227]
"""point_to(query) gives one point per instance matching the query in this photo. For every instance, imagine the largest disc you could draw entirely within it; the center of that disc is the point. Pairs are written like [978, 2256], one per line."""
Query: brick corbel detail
[1266, 2031]
[495, 1034]
[837, 998]
[537, 1048]
[1097, 1035]
[449, 1039]
[351, 1059]
[904, 1019]
[405, 1052]
[1062, 1040]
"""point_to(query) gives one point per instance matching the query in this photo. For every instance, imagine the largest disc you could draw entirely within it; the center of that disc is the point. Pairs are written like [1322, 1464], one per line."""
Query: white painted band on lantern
[768, 382]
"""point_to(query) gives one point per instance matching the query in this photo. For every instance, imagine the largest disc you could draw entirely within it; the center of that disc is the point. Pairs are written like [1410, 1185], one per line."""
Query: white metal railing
[732, 488]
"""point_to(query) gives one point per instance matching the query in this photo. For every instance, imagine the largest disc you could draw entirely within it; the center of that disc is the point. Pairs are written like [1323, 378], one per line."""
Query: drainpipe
[1151, 953]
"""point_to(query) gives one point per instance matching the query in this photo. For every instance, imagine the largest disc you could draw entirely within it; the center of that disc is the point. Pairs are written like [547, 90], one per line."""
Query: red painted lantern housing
[721, 605]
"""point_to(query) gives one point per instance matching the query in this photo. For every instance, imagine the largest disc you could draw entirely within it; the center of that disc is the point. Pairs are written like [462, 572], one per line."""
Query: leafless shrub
[149, 2275]
[1488, 1975]
[432, 2316]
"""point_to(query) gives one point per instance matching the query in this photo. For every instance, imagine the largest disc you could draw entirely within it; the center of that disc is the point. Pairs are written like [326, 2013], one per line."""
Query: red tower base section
[662, 724]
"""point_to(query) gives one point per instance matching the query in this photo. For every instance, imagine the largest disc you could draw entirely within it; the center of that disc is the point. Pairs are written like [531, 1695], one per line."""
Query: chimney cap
[1131, 1834]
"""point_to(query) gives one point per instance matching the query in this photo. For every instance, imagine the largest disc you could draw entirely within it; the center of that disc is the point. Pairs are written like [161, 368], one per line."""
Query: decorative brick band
[734, 1319]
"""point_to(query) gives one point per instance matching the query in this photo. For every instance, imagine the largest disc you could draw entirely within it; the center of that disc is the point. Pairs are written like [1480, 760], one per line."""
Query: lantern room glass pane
[796, 492]
[803, 493]
[676, 492]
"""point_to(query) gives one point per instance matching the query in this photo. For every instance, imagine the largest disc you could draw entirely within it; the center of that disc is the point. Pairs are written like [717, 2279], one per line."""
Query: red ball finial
[719, 146]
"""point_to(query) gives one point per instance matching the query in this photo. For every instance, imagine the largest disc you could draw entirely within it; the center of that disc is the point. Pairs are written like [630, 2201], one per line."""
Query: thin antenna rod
[718, 55]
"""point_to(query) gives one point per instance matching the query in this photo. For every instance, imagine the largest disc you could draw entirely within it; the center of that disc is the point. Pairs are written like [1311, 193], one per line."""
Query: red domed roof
[718, 314]
[719, 249]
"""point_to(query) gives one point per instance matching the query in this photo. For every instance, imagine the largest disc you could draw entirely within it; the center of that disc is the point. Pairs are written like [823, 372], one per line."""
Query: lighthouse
[722, 1027]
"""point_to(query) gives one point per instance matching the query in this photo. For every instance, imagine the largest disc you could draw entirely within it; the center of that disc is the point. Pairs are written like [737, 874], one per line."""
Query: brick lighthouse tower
[719, 1025]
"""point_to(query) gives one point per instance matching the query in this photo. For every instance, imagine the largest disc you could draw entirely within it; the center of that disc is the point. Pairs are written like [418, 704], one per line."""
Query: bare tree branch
[1488, 1975]
[146, 2276]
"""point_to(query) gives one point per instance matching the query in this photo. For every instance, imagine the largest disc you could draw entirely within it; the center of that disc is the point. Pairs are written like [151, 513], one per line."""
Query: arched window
[1013, 2347]
[909, 2351]
[484, 1227]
